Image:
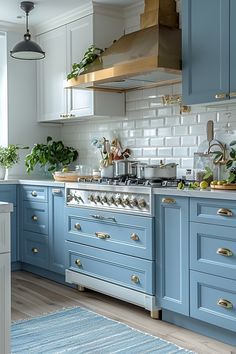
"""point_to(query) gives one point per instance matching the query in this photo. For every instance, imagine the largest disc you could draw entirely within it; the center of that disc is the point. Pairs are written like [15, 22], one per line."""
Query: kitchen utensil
[125, 168]
[140, 170]
[160, 171]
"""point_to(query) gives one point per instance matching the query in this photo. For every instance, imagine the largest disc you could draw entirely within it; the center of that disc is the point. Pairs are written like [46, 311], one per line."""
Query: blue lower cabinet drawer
[213, 300]
[34, 249]
[35, 217]
[213, 249]
[130, 235]
[35, 193]
[131, 272]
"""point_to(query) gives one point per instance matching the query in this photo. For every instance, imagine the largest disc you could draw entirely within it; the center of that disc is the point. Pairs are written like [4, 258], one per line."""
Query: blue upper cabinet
[208, 61]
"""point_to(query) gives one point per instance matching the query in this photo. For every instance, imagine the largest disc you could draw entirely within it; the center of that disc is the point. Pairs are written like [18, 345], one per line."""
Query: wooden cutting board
[230, 186]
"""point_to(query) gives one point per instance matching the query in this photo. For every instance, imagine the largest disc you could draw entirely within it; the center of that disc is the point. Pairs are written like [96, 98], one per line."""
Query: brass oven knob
[91, 198]
[104, 199]
[97, 199]
[126, 201]
[118, 201]
[111, 200]
[133, 202]
[142, 203]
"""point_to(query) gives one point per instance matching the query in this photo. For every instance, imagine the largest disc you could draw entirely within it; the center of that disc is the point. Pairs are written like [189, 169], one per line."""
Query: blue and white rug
[78, 330]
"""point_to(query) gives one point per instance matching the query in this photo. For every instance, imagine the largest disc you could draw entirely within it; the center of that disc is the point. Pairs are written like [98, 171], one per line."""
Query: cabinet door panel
[79, 38]
[172, 254]
[232, 48]
[51, 73]
[205, 31]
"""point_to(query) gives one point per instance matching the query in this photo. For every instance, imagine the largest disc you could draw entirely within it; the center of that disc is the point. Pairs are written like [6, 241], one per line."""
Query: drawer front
[127, 271]
[34, 249]
[213, 249]
[35, 193]
[8, 193]
[213, 300]
[130, 235]
[213, 211]
[35, 217]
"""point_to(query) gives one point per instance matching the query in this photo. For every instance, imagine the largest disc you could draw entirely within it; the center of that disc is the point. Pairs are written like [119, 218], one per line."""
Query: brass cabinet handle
[78, 262]
[232, 94]
[135, 279]
[168, 200]
[100, 217]
[77, 226]
[35, 250]
[34, 218]
[102, 235]
[225, 303]
[219, 96]
[134, 237]
[224, 212]
[56, 191]
[34, 194]
[224, 252]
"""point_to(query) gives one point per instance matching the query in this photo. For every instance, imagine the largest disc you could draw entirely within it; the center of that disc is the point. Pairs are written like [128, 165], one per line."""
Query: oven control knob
[126, 201]
[91, 198]
[142, 203]
[97, 199]
[118, 201]
[133, 202]
[104, 199]
[111, 200]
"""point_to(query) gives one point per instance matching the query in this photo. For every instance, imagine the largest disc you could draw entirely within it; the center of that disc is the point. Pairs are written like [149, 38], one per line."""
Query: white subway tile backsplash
[137, 152]
[130, 106]
[142, 123]
[171, 121]
[142, 104]
[188, 140]
[157, 142]
[150, 152]
[204, 117]
[180, 151]
[172, 141]
[148, 113]
[165, 151]
[128, 125]
[164, 131]
[134, 95]
[163, 112]
[143, 142]
[180, 130]
[136, 133]
[149, 132]
[188, 119]
[158, 122]
[186, 163]
[134, 114]
[199, 129]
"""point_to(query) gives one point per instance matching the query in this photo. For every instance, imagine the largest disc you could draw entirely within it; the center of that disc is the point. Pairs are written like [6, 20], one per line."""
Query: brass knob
[225, 303]
[220, 96]
[78, 262]
[35, 250]
[126, 201]
[224, 252]
[34, 194]
[77, 226]
[97, 199]
[102, 235]
[142, 203]
[168, 200]
[118, 201]
[91, 198]
[111, 200]
[224, 212]
[134, 237]
[104, 199]
[135, 279]
[133, 202]
[34, 218]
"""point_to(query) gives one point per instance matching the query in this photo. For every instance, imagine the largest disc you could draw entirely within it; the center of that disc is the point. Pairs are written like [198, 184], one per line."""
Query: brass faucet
[221, 160]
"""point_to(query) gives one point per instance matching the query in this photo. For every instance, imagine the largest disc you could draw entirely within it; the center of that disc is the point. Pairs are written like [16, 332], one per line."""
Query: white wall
[22, 126]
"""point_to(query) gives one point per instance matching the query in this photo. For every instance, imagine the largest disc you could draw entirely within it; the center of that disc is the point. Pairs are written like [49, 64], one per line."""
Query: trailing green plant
[52, 154]
[90, 55]
[230, 161]
[9, 155]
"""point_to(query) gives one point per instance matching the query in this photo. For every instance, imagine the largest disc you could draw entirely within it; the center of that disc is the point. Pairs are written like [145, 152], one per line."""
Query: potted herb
[9, 156]
[53, 155]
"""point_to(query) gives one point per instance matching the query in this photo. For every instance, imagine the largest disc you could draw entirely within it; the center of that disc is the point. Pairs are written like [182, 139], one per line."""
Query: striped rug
[78, 330]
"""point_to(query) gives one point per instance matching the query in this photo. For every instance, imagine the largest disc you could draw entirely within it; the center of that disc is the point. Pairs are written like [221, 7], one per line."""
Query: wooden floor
[33, 296]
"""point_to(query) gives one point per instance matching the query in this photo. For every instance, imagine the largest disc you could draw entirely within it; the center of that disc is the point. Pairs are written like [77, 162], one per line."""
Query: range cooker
[127, 195]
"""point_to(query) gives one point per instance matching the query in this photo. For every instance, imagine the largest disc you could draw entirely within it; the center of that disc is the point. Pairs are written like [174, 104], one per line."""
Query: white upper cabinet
[64, 46]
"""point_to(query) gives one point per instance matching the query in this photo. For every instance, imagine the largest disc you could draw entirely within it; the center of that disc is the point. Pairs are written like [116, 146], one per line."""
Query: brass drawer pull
[100, 217]
[35, 250]
[77, 226]
[34, 194]
[135, 279]
[34, 218]
[219, 96]
[225, 303]
[78, 262]
[168, 200]
[56, 191]
[224, 212]
[134, 237]
[224, 252]
[102, 235]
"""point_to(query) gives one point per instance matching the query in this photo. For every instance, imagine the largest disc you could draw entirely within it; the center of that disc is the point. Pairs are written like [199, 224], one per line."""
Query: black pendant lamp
[27, 49]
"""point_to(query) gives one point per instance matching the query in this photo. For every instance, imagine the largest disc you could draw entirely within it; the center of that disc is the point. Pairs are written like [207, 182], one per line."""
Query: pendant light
[27, 49]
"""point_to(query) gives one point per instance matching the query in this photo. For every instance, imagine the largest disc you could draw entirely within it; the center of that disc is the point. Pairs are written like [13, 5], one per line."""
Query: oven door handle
[100, 217]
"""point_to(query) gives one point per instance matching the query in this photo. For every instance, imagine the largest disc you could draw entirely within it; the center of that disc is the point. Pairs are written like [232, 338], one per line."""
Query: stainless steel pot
[140, 168]
[124, 168]
[160, 171]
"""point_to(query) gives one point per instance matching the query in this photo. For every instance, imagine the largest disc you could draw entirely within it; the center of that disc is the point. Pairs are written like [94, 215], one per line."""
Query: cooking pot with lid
[125, 168]
[160, 171]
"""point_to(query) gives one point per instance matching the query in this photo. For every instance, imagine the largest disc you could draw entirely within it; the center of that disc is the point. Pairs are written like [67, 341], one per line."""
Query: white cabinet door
[51, 74]
[79, 38]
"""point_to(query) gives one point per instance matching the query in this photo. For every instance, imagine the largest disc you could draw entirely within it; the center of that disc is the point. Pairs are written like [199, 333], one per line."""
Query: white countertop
[37, 182]
[197, 193]
[6, 207]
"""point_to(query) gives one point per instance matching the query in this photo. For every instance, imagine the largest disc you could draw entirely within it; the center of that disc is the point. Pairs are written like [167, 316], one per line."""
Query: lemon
[180, 185]
[219, 183]
[65, 169]
[203, 184]
[196, 184]
[214, 183]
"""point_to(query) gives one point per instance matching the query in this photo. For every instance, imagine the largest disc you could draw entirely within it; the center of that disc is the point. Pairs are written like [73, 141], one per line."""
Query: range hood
[145, 58]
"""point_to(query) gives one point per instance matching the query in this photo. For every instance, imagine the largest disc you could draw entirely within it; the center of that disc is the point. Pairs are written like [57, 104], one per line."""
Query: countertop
[197, 193]
[31, 181]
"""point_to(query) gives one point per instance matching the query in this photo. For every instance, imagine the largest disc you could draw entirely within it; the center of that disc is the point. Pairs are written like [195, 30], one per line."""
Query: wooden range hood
[145, 58]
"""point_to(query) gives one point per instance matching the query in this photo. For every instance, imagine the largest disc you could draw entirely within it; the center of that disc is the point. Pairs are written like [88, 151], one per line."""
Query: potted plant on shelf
[9, 156]
[53, 155]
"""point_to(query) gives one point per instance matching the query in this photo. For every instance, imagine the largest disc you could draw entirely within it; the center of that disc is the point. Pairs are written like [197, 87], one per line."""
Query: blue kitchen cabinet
[172, 253]
[209, 50]
[8, 194]
[56, 230]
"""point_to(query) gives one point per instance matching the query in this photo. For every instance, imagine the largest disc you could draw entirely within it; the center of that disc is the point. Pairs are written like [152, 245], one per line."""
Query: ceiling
[46, 9]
